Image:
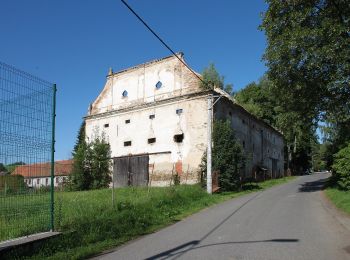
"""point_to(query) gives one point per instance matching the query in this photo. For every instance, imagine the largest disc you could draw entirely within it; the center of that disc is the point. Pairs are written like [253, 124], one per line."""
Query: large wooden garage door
[131, 171]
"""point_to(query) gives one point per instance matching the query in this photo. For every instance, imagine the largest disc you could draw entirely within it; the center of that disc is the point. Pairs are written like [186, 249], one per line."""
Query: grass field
[341, 199]
[24, 214]
[90, 223]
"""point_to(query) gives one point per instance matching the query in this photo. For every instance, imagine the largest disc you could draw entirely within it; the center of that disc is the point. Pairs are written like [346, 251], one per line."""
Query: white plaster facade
[158, 99]
[39, 182]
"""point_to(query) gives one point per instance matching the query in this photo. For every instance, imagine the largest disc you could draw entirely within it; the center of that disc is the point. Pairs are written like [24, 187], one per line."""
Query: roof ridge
[179, 54]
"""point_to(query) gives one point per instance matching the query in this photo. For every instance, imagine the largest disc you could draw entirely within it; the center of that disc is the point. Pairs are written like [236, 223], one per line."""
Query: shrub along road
[289, 221]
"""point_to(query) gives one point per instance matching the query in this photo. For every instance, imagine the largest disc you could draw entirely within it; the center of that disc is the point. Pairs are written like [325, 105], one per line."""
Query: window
[127, 121]
[178, 138]
[127, 143]
[37, 181]
[243, 121]
[230, 113]
[56, 179]
[243, 144]
[47, 181]
[159, 85]
[151, 140]
[152, 116]
[179, 111]
[125, 93]
[106, 125]
[30, 181]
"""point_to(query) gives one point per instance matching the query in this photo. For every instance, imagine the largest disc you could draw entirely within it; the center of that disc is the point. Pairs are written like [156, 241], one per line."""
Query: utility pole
[210, 120]
[209, 127]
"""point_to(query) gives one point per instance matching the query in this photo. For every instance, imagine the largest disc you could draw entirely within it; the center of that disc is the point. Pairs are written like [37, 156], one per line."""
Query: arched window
[125, 93]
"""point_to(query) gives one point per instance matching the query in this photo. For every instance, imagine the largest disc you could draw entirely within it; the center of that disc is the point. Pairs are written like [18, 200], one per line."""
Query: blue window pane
[159, 85]
[125, 93]
[179, 111]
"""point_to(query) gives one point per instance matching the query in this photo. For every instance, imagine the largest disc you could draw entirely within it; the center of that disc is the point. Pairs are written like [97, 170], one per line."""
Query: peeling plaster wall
[143, 100]
[140, 83]
[259, 147]
[191, 122]
[180, 90]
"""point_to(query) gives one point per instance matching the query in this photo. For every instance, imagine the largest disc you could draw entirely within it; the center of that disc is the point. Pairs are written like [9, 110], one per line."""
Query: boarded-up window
[178, 138]
[151, 140]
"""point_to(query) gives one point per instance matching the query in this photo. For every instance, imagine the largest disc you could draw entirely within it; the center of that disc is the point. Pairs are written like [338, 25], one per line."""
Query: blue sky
[73, 43]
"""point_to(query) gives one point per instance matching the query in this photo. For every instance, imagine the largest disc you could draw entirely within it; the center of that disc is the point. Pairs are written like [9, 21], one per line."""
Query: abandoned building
[154, 116]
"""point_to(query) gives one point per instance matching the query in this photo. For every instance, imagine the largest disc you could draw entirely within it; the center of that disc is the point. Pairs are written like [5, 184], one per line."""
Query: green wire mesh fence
[27, 107]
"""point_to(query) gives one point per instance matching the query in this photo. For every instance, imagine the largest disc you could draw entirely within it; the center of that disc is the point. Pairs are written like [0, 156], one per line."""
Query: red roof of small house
[62, 168]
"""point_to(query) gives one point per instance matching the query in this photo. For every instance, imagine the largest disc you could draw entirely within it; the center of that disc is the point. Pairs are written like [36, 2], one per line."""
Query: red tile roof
[62, 168]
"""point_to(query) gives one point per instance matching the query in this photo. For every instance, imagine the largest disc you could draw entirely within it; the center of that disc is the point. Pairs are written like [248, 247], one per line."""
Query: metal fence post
[53, 157]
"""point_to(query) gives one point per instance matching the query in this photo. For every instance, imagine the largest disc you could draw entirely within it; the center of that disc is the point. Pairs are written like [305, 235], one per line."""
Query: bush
[12, 184]
[341, 168]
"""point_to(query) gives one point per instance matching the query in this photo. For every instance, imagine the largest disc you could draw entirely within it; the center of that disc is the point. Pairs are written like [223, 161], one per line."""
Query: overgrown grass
[341, 199]
[90, 224]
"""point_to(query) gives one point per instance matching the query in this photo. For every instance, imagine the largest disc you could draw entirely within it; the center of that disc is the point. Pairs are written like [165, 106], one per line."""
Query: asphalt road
[290, 221]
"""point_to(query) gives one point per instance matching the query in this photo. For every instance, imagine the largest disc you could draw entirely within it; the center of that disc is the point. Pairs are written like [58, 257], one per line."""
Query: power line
[160, 39]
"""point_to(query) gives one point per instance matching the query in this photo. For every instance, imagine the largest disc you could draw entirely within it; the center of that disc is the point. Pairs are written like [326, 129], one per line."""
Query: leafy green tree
[227, 156]
[12, 166]
[261, 100]
[2, 168]
[336, 136]
[318, 158]
[341, 168]
[308, 56]
[100, 163]
[308, 59]
[258, 99]
[91, 166]
[81, 176]
[212, 79]
[81, 137]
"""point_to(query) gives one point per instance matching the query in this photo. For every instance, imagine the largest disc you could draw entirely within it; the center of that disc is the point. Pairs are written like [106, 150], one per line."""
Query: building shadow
[195, 244]
[313, 186]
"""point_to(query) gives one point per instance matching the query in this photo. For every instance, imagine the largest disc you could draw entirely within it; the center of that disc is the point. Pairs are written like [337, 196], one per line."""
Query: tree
[258, 99]
[101, 163]
[91, 167]
[2, 168]
[336, 136]
[81, 136]
[308, 55]
[341, 168]
[212, 78]
[81, 176]
[227, 156]
[261, 100]
[12, 166]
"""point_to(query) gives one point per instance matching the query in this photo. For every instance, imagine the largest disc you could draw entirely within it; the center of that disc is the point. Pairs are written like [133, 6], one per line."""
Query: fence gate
[131, 171]
[27, 112]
